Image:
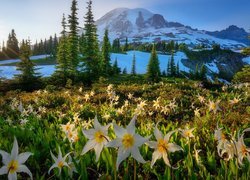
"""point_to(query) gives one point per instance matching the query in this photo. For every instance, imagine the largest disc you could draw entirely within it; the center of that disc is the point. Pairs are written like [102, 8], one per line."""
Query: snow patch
[246, 60]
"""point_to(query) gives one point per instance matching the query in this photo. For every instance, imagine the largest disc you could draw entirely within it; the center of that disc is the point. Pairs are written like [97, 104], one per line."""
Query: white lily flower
[214, 106]
[128, 143]
[14, 162]
[187, 133]
[242, 150]
[98, 138]
[162, 146]
[59, 162]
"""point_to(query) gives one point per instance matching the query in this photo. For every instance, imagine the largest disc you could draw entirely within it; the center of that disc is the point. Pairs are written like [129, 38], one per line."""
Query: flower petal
[98, 149]
[156, 155]
[23, 157]
[88, 146]
[14, 151]
[52, 167]
[174, 147]
[166, 160]
[115, 143]
[53, 156]
[3, 170]
[23, 168]
[5, 157]
[119, 131]
[152, 144]
[139, 140]
[97, 125]
[89, 133]
[12, 176]
[131, 126]
[122, 154]
[158, 134]
[137, 155]
[168, 135]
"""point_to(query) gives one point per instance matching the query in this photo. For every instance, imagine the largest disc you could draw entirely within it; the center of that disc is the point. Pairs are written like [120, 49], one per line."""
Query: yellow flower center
[60, 164]
[223, 137]
[12, 166]
[128, 140]
[99, 137]
[213, 106]
[162, 145]
[67, 127]
[187, 134]
[244, 150]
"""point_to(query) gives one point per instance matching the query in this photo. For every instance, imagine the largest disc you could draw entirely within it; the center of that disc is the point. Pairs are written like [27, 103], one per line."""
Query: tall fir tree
[168, 69]
[153, 68]
[172, 65]
[106, 48]
[12, 50]
[26, 66]
[91, 56]
[203, 73]
[126, 45]
[73, 43]
[116, 69]
[178, 70]
[62, 52]
[133, 69]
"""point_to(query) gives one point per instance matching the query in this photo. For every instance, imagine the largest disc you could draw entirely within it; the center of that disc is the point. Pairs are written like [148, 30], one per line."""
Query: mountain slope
[141, 25]
[232, 32]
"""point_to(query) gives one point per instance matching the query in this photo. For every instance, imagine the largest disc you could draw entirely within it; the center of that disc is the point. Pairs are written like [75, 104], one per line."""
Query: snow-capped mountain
[141, 25]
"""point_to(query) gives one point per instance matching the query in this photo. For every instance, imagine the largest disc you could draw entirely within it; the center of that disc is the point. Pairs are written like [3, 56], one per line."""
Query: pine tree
[82, 41]
[178, 70]
[203, 73]
[91, 57]
[55, 46]
[116, 46]
[133, 70]
[116, 69]
[62, 52]
[168, 69]
[106, 48]
[172, 66]
[126, 45]
[124, 71]
[153, 69]
[197, 73]
[26, 66]
[12, 45]
[73, 55]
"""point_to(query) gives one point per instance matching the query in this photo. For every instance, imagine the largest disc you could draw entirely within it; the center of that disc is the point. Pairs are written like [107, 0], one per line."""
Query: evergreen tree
[91, 57]
[62, 52]
[73, 55]
[133, 70]
[178, 70]
[55, 46]
[172, 66]
[168, 69]
[124, 71]
[116, 46]
[203, 73]
[197, 73]
[82, 41]
[153, 69]
[126, 45]
[106, 48]
[116, 69]
[26, 66]
[12, 45]
[164, 73]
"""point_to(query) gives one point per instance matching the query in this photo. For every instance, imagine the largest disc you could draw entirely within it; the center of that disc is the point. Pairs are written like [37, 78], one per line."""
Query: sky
[36, 19]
